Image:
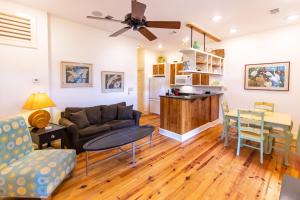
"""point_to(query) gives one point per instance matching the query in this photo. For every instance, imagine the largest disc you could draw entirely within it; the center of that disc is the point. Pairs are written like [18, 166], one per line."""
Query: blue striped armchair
[25, 172]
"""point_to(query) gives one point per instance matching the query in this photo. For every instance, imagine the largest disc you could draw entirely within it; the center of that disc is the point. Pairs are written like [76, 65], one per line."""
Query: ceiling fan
[137, 21]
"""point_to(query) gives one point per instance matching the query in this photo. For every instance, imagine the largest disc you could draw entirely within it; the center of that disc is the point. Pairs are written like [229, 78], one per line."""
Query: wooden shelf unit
[159, 70]
[206, 68]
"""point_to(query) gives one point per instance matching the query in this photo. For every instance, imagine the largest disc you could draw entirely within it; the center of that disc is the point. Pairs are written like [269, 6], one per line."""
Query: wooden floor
[200, 168]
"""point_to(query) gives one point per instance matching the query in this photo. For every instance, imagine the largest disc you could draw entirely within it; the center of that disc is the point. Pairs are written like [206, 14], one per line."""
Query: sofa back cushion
[94, 114]
[125, 112]
[110, 112]
[80, 119]
[15, 140]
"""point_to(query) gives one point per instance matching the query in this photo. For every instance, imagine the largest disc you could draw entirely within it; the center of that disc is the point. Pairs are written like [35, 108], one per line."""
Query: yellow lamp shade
[40, 118]
[38, 101]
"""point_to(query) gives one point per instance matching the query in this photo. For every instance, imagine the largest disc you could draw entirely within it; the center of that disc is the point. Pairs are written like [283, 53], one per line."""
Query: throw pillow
[80, 119]
[125, 112]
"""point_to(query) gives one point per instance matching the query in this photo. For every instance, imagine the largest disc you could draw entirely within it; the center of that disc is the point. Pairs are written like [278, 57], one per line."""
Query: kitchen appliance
[183, 80]
[158, 86]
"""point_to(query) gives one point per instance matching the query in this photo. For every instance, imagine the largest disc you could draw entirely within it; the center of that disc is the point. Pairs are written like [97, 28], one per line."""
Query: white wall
[20, 65]
[74, 42]
[270, 46]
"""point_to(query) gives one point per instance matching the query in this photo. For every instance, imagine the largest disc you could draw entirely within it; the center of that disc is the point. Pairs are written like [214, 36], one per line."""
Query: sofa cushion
[70, 110]
[125, 112]
[110, 112]
[93, 114]
[117, 124]
[37, 174]
[80, 119]
[94, 129]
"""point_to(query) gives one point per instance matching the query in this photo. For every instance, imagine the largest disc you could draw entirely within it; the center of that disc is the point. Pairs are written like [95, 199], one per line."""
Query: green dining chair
[251, 128]
[286, 141]
[267, 106]
[230, 123]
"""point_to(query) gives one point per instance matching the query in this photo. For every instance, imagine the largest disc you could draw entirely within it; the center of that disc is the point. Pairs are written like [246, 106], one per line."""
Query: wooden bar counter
[182, 117]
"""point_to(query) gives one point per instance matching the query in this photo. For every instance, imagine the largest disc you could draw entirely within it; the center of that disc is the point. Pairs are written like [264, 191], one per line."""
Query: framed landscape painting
[76, 74]
[268, 76]
[112, 81]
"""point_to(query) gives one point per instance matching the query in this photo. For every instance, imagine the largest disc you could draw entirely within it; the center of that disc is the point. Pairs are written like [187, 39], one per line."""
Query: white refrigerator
[158, 86]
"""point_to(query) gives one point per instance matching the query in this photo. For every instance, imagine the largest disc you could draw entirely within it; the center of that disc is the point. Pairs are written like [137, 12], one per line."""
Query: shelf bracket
[204, 42]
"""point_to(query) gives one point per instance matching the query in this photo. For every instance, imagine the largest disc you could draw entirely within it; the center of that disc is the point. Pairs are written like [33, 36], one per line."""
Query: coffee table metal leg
[86, 162]
[151, 138]
[133, 153]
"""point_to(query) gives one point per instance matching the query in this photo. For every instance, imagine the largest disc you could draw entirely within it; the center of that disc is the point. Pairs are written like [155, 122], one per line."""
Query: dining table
[275, 120]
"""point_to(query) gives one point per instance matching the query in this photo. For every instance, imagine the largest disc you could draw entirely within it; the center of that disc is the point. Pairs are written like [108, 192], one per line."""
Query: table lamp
[38, 101]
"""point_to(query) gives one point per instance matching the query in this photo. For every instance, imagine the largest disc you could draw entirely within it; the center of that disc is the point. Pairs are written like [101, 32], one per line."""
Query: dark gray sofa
[103, 119]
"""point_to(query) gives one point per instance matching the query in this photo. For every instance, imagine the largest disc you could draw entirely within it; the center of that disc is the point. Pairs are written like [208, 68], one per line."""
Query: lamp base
[39, 119]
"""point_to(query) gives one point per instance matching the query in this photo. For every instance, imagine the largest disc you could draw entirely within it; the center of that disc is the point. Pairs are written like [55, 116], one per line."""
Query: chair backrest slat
[267, 106]
[251, 121]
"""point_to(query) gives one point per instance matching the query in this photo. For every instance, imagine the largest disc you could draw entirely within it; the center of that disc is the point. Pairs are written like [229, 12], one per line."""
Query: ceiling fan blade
[164, 24]
[145, 32]
[104, 18]
[119, 32]
[137, 10]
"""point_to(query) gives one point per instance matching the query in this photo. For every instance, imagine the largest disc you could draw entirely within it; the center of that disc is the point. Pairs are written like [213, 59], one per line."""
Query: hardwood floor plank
[200, 168]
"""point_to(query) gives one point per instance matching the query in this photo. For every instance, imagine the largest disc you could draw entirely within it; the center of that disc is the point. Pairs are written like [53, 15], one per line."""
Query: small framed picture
[112, 81]
[76, 74]
[268, 76]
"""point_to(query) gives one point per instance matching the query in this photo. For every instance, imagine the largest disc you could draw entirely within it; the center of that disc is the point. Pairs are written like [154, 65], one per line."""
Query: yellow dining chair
[251, 128]
[230, 123]
[267, 106]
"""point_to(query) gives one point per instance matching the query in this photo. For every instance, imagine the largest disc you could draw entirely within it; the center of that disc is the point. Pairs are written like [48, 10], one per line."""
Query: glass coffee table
[118, 138]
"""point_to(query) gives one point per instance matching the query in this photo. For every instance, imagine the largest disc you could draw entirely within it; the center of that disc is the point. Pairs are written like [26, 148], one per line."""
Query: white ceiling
[247, 16]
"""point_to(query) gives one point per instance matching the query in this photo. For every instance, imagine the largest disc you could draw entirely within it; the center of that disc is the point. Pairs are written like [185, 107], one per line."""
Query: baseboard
[190, 134]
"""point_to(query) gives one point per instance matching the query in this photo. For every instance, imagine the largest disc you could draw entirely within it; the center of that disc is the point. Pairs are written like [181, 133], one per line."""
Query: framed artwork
[112, 81]
[76, 75]
[268, 76]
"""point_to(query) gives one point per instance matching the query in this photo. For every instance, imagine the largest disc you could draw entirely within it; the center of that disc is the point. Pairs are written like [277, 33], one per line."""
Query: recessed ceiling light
[293, 17]
[232, 31]
[216, 18]
[160, 46]
[186, 39]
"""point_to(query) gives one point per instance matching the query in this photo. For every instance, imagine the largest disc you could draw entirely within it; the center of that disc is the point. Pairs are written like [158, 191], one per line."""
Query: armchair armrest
[136, 116]
[72, 130]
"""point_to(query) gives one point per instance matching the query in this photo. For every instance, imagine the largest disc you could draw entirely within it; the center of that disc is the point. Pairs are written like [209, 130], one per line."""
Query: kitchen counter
[193, 96]
[182, 117]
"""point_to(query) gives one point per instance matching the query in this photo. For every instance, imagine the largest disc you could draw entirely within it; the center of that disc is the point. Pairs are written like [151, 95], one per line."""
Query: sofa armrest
[136, 116]
[72, 130]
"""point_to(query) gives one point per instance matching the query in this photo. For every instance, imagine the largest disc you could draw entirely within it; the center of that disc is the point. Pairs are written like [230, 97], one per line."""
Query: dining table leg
[226, 131]
[287, 147]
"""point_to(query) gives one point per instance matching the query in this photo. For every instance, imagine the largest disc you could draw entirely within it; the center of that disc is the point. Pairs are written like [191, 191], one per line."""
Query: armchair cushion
[37, 174]
[15, 140]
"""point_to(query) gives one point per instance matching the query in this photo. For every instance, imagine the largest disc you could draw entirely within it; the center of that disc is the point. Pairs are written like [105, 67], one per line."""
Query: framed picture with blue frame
[76, 74]
[267, 76]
